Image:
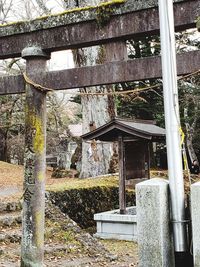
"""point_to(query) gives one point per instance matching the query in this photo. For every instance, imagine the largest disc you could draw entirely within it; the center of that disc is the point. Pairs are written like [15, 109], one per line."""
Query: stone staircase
[10, 219]
[10, 222]
[56, 224]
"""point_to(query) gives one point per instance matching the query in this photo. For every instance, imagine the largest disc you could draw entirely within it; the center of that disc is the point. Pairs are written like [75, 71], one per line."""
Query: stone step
[10, 219]
[10, 206]
[49, 249]
[11, 235]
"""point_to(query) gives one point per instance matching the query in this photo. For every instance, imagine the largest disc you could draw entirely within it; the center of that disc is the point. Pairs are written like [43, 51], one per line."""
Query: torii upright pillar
[32, 248]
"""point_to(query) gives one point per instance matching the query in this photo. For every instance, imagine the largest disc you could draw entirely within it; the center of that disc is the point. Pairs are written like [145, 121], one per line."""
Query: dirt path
[126, 256]
[9, 191]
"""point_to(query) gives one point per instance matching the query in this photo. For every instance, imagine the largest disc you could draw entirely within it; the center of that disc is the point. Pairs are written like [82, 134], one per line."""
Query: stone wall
[81, 204]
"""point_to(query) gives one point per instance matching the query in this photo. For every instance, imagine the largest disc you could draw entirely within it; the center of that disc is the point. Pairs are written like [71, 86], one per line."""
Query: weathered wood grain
[87, 33]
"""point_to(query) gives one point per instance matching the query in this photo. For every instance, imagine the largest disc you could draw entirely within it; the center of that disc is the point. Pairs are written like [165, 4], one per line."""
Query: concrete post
[153, 229]
[32, 247]
[195, 212]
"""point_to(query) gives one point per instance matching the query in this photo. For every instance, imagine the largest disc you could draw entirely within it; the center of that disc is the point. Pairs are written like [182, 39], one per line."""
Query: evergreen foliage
[147, 104]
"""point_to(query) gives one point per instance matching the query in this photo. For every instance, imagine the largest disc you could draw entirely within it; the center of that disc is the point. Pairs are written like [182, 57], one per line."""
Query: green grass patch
[77, 183]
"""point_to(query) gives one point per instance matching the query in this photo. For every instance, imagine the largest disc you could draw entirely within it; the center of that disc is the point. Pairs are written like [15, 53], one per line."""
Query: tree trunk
[96, 111]
[95, 155]
[4, 146]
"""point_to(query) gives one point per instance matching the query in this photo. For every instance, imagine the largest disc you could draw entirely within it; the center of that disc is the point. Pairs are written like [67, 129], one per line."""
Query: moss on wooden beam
[198, 24]
[53, 20]
[76, 15]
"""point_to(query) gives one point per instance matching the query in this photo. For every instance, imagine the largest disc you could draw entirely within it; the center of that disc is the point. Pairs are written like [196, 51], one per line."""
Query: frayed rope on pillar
[36, 85]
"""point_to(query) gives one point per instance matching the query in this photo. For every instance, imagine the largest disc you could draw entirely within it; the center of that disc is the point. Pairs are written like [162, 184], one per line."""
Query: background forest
[96, 110]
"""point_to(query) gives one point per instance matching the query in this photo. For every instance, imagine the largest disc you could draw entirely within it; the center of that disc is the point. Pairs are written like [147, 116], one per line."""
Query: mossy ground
[55, 233]
[78, 183]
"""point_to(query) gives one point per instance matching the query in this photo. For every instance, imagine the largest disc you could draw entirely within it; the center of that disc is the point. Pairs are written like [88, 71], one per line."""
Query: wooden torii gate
[35, 40]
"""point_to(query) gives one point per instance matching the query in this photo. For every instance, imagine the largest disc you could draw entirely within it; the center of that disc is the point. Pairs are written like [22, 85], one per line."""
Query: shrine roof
[129, 129]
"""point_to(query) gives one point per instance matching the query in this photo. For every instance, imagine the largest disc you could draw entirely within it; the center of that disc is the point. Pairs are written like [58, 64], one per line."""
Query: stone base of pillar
[195, 210]
[154, 234]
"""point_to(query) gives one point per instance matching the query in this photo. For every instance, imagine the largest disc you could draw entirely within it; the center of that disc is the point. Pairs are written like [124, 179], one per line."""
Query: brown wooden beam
[109, 73]
[88, 33]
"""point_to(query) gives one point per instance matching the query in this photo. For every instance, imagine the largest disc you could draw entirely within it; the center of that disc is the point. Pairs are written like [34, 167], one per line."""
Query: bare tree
[42, 5]
[5, 10]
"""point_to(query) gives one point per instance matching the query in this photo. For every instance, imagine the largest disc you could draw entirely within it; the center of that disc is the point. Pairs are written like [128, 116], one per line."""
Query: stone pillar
[195, 210]
[32, 247]
[153, 224]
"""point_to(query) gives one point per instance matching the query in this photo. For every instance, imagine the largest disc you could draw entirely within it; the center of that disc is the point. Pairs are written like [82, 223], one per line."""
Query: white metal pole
[172, 123]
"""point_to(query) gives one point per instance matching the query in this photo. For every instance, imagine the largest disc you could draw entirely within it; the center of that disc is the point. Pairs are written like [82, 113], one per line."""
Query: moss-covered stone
[81, 204]
[61, 229]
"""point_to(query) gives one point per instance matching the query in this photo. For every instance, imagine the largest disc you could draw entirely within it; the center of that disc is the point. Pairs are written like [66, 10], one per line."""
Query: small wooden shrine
[134, 138]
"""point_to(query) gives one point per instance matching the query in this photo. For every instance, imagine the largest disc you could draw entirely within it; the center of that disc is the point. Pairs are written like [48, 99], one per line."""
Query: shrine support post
[122, 175]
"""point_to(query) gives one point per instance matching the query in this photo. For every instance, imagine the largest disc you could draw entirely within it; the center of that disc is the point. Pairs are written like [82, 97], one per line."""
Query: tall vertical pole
[122, 176]
[172, 123]
[32, 247]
